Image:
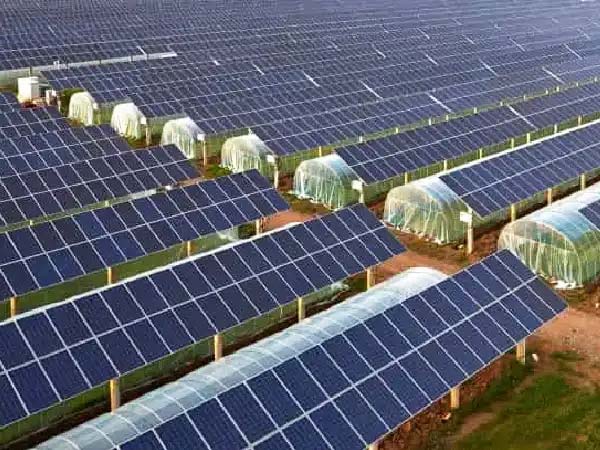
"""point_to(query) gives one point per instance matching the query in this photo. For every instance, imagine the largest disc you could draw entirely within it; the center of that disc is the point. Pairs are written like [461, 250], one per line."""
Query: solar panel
[8, 102]
[388, 157]
[346, 378]
[45, 192]
[592, 213]
[60, 250]
[28, 122]
[496, 183]
[112, 331]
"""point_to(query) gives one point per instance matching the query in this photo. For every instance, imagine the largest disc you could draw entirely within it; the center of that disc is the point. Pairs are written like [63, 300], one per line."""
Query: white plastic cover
[127, 121]
[81, 108]
[183, 133]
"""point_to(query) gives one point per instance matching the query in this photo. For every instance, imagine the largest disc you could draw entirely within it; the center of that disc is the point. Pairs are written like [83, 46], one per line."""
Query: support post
[583, 181]
[555, 128]
[470, 238]
[276, 173]
[14, 306]
[204, 154]
[259, 226]
[115, 394]
[148, 136]
[218, 346]
[110, 276]
[513, 212]
[455, 398]
[520, 351]
[528, 138]
[374, 446]
[189, 249]
[371, 274]
[549, 195]
[445, 165]
[301, 309]
[406, 178]
[512, 143]
[579, 120]
[320, 150]
[480, 153]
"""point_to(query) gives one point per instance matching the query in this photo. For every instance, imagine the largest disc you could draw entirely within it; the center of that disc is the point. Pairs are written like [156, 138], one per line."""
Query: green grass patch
[215, 171]
[551, 414]
[303, 205]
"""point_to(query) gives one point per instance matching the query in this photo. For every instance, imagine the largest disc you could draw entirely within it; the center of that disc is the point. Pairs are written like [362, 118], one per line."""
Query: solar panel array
[28, 122]
[8, 102]
[49, 191]
[55, 353]
[494, 184]
[60, 250]
[388, 157]
[344, 384]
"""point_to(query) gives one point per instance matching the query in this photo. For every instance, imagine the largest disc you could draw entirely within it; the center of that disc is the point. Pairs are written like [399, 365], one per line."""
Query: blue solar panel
[8, 102]
[59, 189]
[592, 213]
[349, 387]
[187, 302]
[59, 250]
[494, 184]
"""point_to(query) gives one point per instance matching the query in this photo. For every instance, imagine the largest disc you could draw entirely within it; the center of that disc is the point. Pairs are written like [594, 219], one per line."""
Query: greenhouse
[127, 120]
[184, 134]
[328, 180]
[84, 109]
[558, 242]
[247, 152]
[206, 383]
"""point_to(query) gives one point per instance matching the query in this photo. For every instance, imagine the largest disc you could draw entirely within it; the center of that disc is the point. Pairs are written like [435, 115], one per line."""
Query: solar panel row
[344, 382]
[72, 186]
[55, 353]
[60, 250]
[28, 122]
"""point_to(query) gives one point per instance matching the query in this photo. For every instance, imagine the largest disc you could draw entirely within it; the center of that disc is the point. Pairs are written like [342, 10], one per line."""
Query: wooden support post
[259, 227]
[301, 309]
[115, 394]
[110, 276]
[579, 120]
[480, 153]
[218, 346]
[276, 174]
[445, 165]
[455, 398]
[406, 177]
[371, 274]
[528, 138]
[14, 307]
[583, 181]
[470, 238]
[512, 143]
[204, 154]
[320, 150]
[520, 350]
[148, 136]
[189, 249]
[555, 128]
[513, 212]
[549, 195]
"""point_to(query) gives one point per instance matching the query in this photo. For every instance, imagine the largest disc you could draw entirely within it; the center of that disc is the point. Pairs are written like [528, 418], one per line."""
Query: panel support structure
[579, 120]
[470, 238]
[583, 181]
[189, 248]
[445, 165]
[549, 195]
[115, 394]
[204, 154]
[371, 275]
[14, 306]
[359, 186]
[259, 226]
[520, 350]
[301, 309]
[406, 177]
[148, 136]
[455, 398]
[275, 173]
[110, 275]
[513, 212]
[218, 346]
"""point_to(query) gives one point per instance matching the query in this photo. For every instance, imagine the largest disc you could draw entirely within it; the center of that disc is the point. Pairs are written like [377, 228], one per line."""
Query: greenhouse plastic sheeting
[162, 404]
[81, 108]
[326, 180]
[183, 133]
[247, 152]
[557, 241]
[127, 121]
